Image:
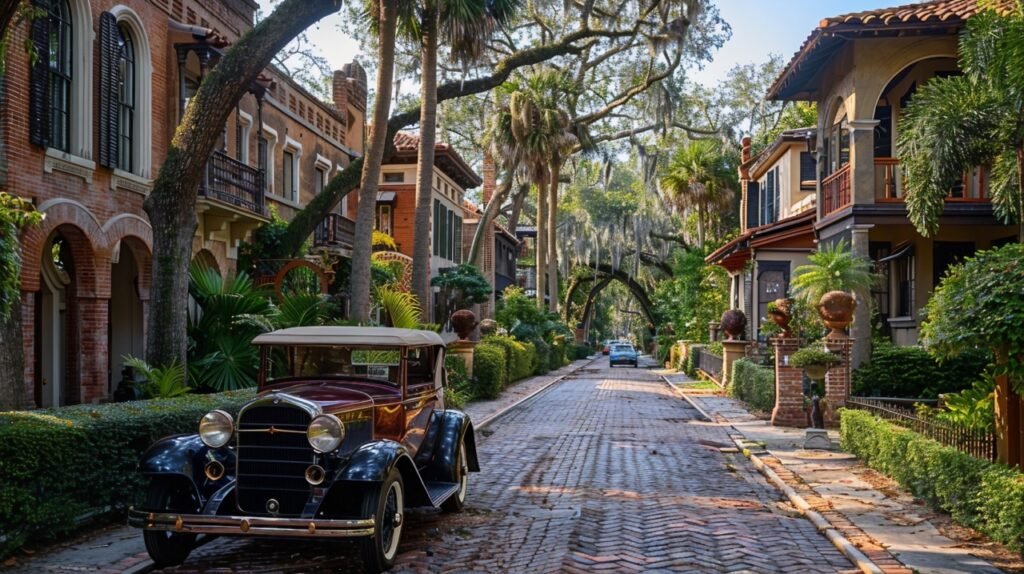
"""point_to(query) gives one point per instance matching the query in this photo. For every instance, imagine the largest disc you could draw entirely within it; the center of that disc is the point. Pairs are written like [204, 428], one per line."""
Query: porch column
[862, 161]
[731, 352]
[861, 331]
[94, 351]
[789, 386]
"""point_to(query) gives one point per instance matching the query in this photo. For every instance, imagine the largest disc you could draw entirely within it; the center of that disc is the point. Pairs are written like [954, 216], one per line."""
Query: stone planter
[463, 323]
[816, 372]
[734, 323]
[836, 310]
[782, 315]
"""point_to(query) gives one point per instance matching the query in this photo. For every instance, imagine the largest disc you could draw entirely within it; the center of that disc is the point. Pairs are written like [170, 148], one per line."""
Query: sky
[759, 27]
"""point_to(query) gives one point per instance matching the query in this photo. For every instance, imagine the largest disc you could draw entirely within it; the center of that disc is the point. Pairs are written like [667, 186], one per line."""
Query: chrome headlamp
[325, 433]
[216, 428]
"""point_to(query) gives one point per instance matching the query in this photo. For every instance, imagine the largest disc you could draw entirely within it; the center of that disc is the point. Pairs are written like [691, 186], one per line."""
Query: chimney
[744, 180]
[339, 91]
[745, 150]
[490, 178]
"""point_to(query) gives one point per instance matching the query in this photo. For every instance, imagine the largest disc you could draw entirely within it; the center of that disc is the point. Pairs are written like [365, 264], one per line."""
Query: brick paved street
[608, 471]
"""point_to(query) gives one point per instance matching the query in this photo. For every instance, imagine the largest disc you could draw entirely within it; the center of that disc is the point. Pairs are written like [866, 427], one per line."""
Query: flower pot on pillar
[836, 309]
[463, 322]
[734, 323]
[780, 311]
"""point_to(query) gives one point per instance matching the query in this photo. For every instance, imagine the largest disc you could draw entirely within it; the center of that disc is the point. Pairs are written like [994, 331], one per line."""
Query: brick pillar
[837, 380]
[93, 316]
[731, 351]
[789, 386]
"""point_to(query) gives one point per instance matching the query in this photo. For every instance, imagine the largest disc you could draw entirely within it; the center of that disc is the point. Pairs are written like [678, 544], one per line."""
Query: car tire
[169, 548]
[387, 507]
[457, 501]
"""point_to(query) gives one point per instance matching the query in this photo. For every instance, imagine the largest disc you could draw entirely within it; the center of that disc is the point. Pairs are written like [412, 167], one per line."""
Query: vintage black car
[348, 429]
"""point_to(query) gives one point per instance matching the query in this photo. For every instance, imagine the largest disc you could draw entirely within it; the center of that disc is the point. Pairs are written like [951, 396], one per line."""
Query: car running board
[440, 491]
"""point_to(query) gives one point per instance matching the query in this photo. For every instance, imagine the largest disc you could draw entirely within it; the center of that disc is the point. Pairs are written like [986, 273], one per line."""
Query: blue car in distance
[622, 354]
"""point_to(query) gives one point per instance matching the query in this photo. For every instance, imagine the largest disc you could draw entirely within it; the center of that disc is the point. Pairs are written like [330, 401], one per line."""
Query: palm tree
[465, 25]
[384, 18]
[698, 180]
[956, 123]
[531, 134]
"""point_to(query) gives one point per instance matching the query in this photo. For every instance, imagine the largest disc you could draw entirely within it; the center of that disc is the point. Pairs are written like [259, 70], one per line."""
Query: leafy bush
[165, 383]
[911, 372]
[977, 493]
[521, 357]
[457, 387]
[832, 267]
[489, 371]
[972, 408]
[580, 352]
[690, 363]
[60, 465]
[463, 286]
[543, 351]
[753, 384]
[809, 356]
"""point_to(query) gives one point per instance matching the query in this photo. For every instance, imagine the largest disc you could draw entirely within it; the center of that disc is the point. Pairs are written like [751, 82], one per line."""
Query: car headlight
[325, 433]
[216, 428]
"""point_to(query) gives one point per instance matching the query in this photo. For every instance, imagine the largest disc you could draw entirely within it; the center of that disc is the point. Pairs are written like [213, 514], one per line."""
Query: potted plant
[831, 277]
[462, 287]
[815, 361]
[781, 313]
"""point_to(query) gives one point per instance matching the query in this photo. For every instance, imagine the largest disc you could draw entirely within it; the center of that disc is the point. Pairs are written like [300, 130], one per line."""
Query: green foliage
[833, 267]
[794, 116]
[814, 356]
[59, 466]
[15, 215]
[458, 385]
[543, 362]
[489, 370]
[520, 316]
[383, 242]
[521, 356]
[985, 496]
[463, 286]
[401, 309]
[696, 294]
[972, 408]
[700, 179]
[268, 241]
[161, 383]
[715, 348]
[385, 273]
[752, 384]
[979, 305]
[580, 352]
[958, 122]
[911, 372]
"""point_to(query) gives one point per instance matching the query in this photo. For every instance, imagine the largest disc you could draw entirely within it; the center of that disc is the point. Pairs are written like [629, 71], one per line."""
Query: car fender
[453, 426]
[372, 463]
[185, 457]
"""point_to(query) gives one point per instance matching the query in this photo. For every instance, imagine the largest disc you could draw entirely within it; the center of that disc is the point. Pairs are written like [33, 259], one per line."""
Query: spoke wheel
[457, 501]
[387, 507]
[169, 548]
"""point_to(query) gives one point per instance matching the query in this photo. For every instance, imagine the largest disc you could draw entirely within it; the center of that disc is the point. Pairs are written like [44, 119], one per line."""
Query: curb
[504, 411]
[858, 558]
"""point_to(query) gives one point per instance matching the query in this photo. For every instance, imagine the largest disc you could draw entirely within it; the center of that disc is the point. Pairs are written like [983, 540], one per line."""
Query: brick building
[84, 131]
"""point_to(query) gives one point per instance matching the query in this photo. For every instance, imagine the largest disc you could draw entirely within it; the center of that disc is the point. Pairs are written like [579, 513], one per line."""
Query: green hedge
[913, 373]
[520, 357]
[985, 496]
[690, 364]
[580, 352]
[489, 370]
[753, 384]
[543, 364]
[60, 466]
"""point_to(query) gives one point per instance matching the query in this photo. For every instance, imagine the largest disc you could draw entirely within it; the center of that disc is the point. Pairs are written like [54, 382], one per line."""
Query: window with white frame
[290, 170]
[266, 150]
[243, 127]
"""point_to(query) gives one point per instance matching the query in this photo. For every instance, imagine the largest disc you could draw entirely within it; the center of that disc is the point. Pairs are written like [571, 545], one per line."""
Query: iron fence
[710, 363]
[977, 443]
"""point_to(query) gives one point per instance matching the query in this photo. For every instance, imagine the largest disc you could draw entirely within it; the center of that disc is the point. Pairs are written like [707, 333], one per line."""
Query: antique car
[347, 430]
[622, 354]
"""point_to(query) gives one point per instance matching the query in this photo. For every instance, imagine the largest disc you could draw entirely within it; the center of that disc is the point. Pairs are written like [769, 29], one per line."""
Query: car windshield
[377, 363]
[623, 348]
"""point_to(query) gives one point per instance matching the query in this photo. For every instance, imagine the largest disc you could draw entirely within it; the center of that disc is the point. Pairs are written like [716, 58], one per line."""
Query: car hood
[330, 396]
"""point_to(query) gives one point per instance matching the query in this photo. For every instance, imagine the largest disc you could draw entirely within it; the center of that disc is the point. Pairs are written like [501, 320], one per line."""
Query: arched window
[59, 56]
[126, 98]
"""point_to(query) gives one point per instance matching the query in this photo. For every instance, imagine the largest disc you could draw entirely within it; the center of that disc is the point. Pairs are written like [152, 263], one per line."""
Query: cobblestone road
[608, 471]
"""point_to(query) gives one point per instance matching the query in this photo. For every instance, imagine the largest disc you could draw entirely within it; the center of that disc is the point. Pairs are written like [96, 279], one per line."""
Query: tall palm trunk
[1020, 194]
[425, 166]
[552, 271]
[542, 241]
[476, 250]
[362, 244]
[517, 206]
[700, 225]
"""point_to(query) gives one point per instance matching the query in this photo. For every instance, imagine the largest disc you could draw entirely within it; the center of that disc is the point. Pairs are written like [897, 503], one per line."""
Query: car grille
[272, 465]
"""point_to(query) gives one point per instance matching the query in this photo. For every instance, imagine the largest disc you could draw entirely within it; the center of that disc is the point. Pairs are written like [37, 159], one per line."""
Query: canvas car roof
[350, 336]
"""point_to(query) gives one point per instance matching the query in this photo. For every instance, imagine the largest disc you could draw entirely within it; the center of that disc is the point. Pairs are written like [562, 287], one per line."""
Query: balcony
[335, 231]
[232, 182]
[836, 191]
[973, 187]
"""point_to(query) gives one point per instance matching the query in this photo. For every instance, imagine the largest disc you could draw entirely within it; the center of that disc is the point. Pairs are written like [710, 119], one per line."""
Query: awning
[905, 249]
[385, 197]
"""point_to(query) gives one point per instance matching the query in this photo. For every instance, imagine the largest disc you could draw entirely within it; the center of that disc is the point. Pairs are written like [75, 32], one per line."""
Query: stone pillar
[837, 380]
[93, 316]
[861, 329]
[731, 352]
[789, 386]
[464, 350]
[713, 330]
[862, 161]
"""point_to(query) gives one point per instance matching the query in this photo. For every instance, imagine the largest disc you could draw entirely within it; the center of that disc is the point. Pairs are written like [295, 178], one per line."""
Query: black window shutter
[39, 84]
[109, 90]
[808, 168]
[753, 204]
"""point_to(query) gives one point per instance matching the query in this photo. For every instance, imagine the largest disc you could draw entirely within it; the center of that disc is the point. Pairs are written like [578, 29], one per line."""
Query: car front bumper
[250, 525]
[622, 360]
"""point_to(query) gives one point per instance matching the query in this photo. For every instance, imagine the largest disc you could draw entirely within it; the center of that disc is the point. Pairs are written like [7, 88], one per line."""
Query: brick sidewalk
[889, 528]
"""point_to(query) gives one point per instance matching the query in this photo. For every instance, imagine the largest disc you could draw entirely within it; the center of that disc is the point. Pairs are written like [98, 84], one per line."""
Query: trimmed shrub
[753, 384]
[580, 352]
[912, 372]
[457, 385]
[520, 356]
[690, 364]
[489, 370]
[543, 357]
[977, 493]
[556, 358]
[60, 466]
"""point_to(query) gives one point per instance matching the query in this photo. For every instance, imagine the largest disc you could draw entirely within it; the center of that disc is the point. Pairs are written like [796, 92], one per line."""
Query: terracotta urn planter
[734, 322]
[836, 310]
[782, 314]
[463, 322]
[488, 327]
